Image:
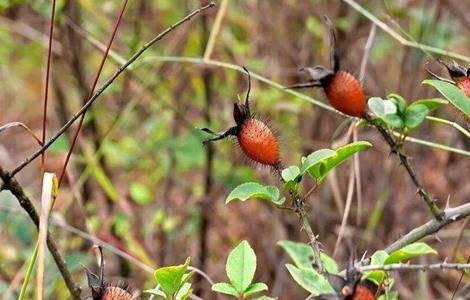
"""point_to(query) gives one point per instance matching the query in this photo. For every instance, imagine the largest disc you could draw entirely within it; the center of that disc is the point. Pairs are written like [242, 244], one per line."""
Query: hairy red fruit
[464, 85]
[345, 94]
[362, 293]
[116, 293]
[258, 142]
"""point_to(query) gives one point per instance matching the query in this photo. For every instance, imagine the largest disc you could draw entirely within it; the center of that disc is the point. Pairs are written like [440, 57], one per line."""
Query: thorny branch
[396, 149]
[449, 215]
[90, 101]
[423, 267]
[14, 187]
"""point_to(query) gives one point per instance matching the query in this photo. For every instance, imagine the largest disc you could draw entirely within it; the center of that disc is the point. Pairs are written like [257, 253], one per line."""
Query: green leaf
[156, 292]
[291, 173]
[452, 93]
[408, 252]
[225, 288]
[291, 177]
[399, 102]
[432, 103]
[184, 292]
[319, 163]
[170, 278]
[393, 120]
[381, 107]
[302, 255]
[249, 190]
[376, 276]
[255, 288]
[241, 266]
[140, 193]
[316, 158]
[310, 280]
[415, 115]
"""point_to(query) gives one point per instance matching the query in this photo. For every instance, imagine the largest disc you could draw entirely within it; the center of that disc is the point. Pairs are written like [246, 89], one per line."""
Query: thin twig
[460, 280]
[299, 203]
[418, 267]
[105, 86]
[215, 30]
[25, 127]
[92, 90]
[46, 84]
[365, 55]
[400, 38]
[344, 220]
[395, 148]
[13, 186]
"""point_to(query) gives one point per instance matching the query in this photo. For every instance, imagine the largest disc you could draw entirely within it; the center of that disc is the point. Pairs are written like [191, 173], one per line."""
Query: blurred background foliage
[139, 176]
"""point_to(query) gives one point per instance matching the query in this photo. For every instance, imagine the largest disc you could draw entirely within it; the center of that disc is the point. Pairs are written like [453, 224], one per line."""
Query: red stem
[460, 281]
[92, 91]
[46, 88]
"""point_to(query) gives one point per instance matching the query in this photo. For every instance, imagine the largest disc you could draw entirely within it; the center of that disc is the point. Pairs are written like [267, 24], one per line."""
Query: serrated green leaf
[225, 288]
[376, 276]
[310, 280]
[415, 115]
[399, 102]
[255, 190]
[170, 278]
[241, 266]
[302, 255]
[255, 288]
[408, 252]
[318, 166]
[432, 103]
[452, 93]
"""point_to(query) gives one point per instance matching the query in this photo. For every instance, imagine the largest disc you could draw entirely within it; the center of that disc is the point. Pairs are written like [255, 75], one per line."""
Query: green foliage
[240, 268]
[383, 258]
[173, 282]
[321, 162]
[452, 93]
[394, 112]
[291, 177]
[302, 255]
[255, 190]
[408, 252]
[310, 280]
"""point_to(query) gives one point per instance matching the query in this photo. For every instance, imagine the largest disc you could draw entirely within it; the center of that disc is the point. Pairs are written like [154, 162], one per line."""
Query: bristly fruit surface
[345, 94]
[343, 90]
[255, 138]
[464, 85]
[258, 142]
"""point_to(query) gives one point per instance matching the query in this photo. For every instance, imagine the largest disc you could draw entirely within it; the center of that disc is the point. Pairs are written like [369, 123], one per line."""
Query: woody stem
[405, 161]
[299, 202]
